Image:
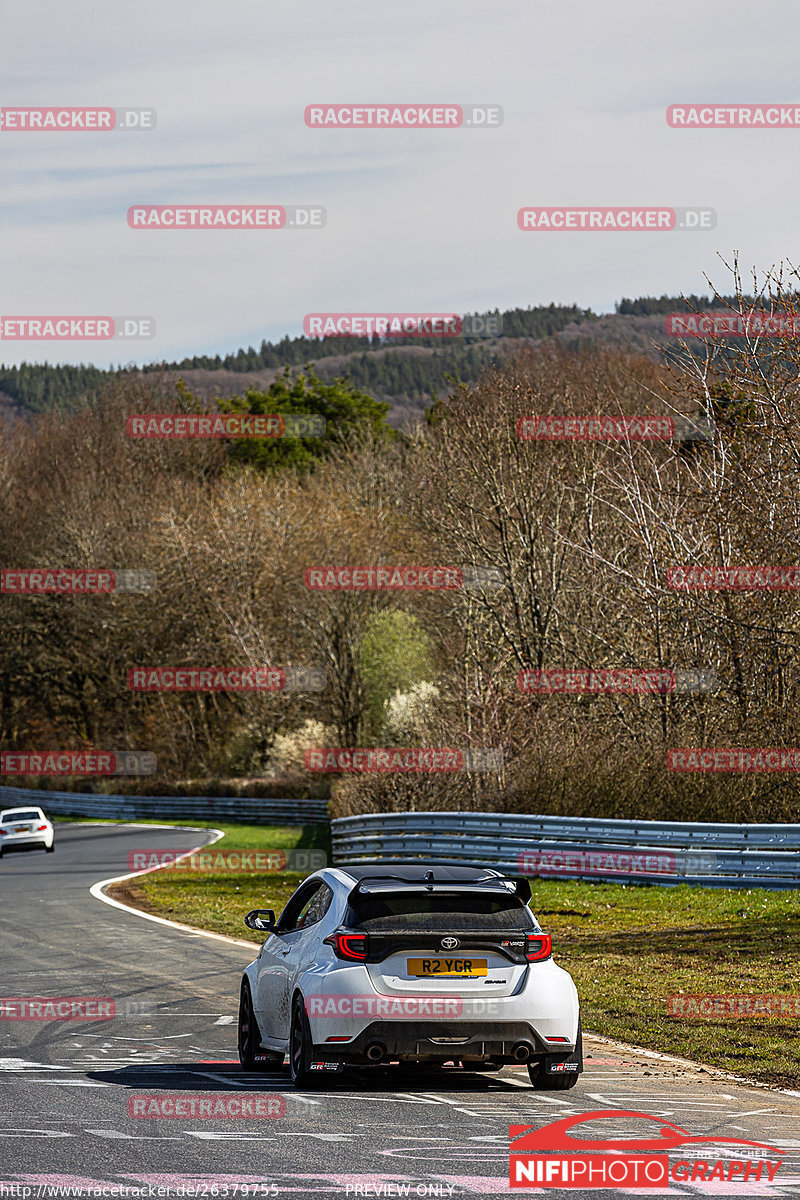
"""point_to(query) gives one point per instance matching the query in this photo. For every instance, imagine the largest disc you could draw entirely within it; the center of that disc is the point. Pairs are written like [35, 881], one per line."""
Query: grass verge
[630, 948]
[627, 948]
[218, 900]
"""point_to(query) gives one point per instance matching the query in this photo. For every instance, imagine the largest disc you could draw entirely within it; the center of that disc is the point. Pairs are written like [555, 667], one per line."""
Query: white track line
[98, 890]
[688, 1062]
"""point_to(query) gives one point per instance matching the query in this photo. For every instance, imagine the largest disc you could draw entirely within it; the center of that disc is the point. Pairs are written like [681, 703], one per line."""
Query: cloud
[416, 219]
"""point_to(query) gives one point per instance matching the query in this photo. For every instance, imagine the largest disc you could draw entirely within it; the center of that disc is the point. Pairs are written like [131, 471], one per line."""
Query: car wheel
[556, 1083]
[251, 1056]
[300, 1047]
[551, 1083]
[50, 849]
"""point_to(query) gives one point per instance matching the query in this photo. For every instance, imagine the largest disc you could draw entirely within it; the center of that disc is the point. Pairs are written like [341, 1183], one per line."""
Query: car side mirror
[261, 918]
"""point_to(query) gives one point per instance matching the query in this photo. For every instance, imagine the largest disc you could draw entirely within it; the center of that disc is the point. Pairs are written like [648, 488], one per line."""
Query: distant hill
[406, 372]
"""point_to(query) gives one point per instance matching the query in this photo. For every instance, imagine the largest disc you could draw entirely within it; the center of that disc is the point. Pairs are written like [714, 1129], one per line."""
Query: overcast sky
[416, 220]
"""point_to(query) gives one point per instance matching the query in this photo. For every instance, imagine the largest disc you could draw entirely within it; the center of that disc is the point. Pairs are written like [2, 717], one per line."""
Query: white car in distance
[25, 829]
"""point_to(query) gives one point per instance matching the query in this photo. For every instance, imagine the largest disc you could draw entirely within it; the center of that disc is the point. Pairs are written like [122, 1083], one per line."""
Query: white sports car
[413, 963]
[26, 829]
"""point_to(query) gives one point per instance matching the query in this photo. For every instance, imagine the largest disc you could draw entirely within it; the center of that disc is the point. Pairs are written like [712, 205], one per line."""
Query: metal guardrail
[245, 809]
[617, 851]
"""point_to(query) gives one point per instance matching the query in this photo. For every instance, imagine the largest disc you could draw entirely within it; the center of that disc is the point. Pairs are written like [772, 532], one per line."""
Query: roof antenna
[429, 880]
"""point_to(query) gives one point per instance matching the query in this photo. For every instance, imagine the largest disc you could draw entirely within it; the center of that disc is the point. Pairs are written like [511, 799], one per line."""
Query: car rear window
[397, 911]
[9, 817]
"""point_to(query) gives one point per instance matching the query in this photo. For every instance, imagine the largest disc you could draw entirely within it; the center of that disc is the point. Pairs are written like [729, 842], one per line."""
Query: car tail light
[39, 828]
[538, 946]
[350, 946]
[3, 832]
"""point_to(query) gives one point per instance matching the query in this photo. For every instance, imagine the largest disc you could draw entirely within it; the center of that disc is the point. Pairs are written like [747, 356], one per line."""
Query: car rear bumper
[23, 842]
[343, 1002]
[423, 1041]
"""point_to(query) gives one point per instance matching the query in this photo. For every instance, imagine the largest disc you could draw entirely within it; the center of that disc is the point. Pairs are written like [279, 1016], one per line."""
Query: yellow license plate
[448, 967]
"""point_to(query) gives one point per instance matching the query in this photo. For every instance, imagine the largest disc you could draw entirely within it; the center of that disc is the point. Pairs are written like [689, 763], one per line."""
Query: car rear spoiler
[374, 885]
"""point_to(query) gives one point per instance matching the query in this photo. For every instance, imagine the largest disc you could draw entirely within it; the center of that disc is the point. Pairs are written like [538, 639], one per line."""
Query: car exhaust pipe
[375, 1052]
[521, 1052]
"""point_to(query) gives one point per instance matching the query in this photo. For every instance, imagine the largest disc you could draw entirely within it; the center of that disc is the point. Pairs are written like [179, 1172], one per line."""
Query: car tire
[251, 1056]
[551, 1083]
[50, 849]
[301, 1050]
[556, 1083]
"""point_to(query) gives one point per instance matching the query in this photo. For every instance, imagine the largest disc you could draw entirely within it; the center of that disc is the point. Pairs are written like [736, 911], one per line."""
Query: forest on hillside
[404, 371]
[580, 535]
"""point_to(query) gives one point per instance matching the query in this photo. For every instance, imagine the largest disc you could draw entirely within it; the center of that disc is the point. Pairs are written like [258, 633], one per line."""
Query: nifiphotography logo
[550, 1157]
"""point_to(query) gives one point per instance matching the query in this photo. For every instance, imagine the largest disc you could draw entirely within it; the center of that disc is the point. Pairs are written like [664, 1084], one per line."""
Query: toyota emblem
[449, 943]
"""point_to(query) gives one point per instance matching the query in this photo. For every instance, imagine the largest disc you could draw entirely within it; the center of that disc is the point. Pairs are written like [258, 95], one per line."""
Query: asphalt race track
[66, 1084]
